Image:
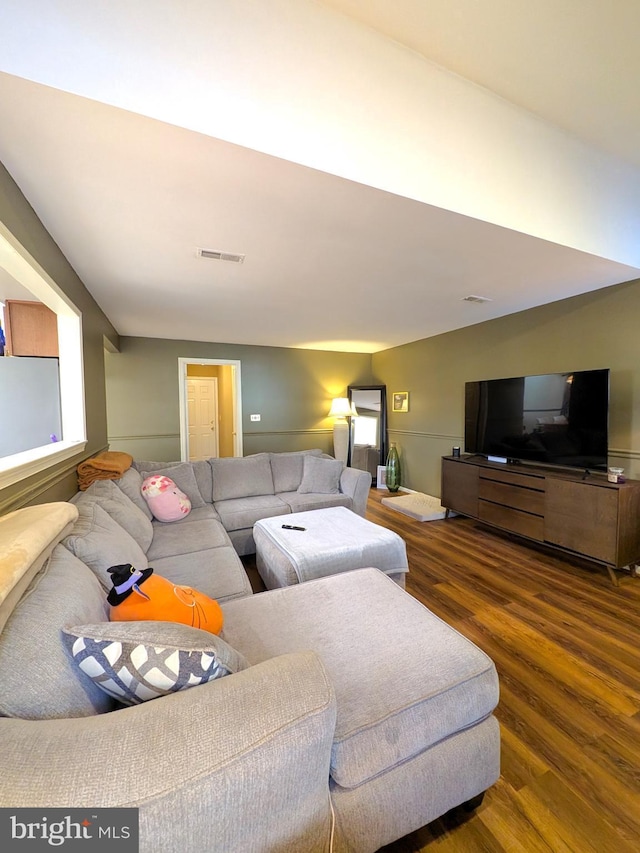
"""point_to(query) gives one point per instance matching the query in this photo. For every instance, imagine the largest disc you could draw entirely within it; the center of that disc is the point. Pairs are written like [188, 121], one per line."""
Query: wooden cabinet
[587, 516]
[460, 487]
[31, 329]
[600, 522]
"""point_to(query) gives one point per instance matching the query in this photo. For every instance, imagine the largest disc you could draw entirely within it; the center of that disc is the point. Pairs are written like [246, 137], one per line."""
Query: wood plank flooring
[566, 643]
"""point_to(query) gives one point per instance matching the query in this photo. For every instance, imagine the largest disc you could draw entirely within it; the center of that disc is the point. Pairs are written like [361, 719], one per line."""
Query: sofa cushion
[121, 509]
[238, 513]
[172, 539]
[184, 478]
[240, 477]
[37, 678]
[217, 572]
[204, 479]
[131, 485]
[137, 661]
[200, 513]
[404, 679]
[298, 502]
[153, 465]
[287, 469]
[100, 542]
[321, 476]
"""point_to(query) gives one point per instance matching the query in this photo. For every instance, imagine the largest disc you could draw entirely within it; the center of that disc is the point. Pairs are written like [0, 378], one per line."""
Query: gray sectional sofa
[238, 491]
[340, 715]
[227, 497]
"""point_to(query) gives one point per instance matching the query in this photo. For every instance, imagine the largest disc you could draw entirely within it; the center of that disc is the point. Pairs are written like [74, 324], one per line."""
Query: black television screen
[556, 418]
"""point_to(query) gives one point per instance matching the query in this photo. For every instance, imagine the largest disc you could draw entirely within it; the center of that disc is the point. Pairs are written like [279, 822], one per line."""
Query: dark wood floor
[566, 643]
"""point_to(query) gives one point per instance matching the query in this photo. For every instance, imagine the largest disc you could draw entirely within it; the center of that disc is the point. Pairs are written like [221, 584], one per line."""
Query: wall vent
[214, 255]
[476, 299]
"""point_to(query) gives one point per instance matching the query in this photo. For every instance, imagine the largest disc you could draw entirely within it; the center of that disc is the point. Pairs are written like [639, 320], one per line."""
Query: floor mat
[417, 505]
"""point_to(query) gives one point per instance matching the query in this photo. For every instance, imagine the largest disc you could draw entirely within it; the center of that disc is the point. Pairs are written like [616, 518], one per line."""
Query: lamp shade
[340, 408]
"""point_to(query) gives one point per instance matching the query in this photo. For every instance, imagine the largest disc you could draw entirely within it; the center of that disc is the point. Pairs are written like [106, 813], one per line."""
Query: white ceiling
[331, 263]
[11, 289]
[574, 63]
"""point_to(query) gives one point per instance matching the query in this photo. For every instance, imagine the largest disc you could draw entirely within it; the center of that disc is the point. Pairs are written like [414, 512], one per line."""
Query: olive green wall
[290, 388]
[595, 330]
[19, 217]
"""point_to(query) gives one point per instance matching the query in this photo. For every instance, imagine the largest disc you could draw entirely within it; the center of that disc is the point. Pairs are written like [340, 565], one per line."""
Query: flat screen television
[557, 418]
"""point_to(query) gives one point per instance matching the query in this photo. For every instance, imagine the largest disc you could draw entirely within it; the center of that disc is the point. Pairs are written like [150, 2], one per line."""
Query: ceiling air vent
[476, 299]
[220, 256]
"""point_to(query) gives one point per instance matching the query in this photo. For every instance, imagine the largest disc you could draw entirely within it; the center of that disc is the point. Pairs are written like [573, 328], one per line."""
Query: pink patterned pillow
[164, 498]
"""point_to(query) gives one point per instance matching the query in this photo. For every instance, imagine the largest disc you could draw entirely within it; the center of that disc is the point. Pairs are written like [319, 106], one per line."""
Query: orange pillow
[141, 595]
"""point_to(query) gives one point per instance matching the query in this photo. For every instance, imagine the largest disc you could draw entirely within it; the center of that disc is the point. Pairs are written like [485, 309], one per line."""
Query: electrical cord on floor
[333, 825]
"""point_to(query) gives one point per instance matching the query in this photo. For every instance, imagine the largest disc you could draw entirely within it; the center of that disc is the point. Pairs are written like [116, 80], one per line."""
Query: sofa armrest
[356, 484]
[242, 761]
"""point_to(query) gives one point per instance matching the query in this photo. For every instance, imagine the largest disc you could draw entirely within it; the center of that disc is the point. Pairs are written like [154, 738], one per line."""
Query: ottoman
[415, 733]
[334, 540]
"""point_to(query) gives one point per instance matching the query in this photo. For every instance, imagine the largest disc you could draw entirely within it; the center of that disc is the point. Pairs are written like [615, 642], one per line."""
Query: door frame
[182, 400]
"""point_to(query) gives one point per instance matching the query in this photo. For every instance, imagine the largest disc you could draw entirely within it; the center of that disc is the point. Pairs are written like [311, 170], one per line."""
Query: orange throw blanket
[108, 465]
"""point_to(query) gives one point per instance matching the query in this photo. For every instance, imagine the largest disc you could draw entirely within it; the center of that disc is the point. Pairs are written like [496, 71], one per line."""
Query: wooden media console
[576, 511]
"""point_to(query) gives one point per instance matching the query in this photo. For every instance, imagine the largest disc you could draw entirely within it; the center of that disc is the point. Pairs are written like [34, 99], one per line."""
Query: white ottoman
[334, 540]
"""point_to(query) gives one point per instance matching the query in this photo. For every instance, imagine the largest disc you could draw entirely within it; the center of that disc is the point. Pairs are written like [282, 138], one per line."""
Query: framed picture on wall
[400, 401]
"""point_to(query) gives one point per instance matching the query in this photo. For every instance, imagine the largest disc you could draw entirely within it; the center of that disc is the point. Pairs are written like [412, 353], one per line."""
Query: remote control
[292, 527]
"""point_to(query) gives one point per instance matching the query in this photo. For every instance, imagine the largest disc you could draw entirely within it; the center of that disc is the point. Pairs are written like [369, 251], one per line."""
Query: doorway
[202, 417]
[210, 401]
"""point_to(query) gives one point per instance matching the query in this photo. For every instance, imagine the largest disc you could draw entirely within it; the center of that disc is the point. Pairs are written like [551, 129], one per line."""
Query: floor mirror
[368, 435]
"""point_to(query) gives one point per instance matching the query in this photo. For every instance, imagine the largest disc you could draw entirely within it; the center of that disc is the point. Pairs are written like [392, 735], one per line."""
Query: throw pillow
[137, 595]
[287, 469]
[184, 478]
[166, 501]
[137, 661]
[321, 476]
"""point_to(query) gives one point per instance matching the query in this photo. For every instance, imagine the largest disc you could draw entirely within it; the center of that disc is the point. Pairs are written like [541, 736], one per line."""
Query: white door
[234, 421]
[202, 413]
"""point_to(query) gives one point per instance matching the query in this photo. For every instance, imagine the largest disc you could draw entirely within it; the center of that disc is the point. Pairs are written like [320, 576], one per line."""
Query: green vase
[393, 469]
